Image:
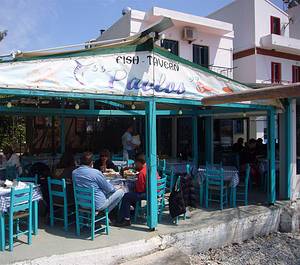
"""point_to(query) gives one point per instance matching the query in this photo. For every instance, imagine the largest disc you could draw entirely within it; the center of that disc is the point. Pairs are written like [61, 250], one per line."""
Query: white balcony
[281, 43]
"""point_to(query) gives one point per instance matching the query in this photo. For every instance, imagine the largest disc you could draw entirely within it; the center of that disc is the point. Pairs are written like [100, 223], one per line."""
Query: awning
[131, 67]
[269, 93]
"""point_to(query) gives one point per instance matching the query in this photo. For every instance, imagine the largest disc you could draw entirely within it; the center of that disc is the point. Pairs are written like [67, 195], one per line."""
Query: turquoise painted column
[151, 165]
[62, 135]
[195, 140]
[288, 147]
[209, 139]
[271, 156]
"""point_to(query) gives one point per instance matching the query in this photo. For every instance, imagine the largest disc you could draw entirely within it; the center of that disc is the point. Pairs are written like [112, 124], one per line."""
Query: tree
[3, 34]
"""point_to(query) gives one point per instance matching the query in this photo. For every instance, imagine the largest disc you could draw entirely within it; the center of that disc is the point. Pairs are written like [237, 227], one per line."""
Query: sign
[134, 74]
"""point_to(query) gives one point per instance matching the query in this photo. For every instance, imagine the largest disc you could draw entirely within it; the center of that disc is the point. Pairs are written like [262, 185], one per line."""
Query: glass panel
[201, 55]
[171, 45]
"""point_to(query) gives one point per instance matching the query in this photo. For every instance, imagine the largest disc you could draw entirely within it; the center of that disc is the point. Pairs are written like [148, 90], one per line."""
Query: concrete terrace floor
[54, 241]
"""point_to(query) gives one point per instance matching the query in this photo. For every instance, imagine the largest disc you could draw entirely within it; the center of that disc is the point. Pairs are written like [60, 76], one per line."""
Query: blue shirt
[88, 177]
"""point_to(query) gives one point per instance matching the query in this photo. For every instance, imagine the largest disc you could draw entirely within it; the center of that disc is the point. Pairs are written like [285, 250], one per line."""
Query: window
[171, 45]
[276, 72]
[296, 73]
[275, 25]
[200, 55]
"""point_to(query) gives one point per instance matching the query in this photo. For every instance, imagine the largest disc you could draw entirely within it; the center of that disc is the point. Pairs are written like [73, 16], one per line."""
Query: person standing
[128, 146]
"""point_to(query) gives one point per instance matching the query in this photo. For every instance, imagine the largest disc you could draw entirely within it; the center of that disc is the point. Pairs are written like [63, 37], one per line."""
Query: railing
[226, 71]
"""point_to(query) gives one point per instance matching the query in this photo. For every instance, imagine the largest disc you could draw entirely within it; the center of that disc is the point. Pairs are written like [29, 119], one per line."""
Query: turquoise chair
[28, 179]
[169, 173]
[11, 172]
[58, 200]
[161, 190]
[161, 166]
[20, 207]
[214, 186]
[86, 214]
[130, 162]
[242, 188]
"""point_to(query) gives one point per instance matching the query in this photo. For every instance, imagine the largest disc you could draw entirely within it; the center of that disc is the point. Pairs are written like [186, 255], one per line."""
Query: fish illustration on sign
[81, 69]
[110, 76]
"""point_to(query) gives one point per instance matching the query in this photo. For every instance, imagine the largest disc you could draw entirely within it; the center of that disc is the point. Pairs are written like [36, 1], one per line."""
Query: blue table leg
[2, 232]
[35, 217]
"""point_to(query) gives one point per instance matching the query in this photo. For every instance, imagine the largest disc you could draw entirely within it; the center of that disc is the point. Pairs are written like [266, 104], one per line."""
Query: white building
[265, 50]
[211, 44]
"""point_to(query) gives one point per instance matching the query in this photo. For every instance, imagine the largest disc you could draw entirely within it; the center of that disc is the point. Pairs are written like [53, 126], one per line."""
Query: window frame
[174, 41]
[295, 69]
[202, 46]
[273, 77]
[278, 22]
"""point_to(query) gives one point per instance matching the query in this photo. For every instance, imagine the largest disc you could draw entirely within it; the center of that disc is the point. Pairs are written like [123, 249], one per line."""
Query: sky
[38, 24]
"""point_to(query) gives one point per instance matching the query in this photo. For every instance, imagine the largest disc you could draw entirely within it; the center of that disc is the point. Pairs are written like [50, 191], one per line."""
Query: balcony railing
[226, 71]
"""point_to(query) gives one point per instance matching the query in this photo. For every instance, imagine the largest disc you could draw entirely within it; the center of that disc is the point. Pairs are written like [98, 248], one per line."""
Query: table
[5, 204]
[178, 167]
[231, 174]
[263, 166]
[127, 185]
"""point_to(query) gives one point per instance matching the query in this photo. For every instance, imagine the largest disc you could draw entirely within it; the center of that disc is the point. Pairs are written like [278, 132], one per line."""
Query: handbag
[176, 202]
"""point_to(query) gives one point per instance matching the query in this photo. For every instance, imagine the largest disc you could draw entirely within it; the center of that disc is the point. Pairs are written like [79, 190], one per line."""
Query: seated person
[106, 196]
[104, 162]
[65, 166]
[11, 159]
[131, 198]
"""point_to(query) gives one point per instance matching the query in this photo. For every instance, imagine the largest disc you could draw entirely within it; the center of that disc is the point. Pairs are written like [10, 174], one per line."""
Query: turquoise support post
[209, 138]
[2, 232]
[288, 147]
[62, 135]
[271, 156]
[195, 140]
[151, 165]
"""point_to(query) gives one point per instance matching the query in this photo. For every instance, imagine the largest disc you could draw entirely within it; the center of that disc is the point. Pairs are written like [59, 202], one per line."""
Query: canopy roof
[132, 67]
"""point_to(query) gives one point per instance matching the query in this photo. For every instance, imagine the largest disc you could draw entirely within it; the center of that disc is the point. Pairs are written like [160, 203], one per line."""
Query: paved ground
[277, 248]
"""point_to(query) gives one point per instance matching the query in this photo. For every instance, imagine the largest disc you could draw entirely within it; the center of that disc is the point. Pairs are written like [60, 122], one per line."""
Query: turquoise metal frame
[151, 156]
[288, 146]
[271, 156]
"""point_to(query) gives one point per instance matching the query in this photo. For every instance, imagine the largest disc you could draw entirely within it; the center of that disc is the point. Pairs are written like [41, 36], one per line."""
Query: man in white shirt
[128, 146]
[12, 159]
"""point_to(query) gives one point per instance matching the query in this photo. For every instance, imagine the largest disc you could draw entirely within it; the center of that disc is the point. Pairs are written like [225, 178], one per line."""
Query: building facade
[204, 41]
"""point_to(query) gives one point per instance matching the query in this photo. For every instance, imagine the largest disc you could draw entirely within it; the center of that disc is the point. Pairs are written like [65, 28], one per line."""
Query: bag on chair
[176, 202]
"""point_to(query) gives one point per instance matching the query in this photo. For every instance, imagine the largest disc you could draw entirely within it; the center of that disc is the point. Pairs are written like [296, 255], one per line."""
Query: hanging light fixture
[133, 106]
[9, 105]
[98, 119]
[134, 118]
[77, 106]
[180, 112]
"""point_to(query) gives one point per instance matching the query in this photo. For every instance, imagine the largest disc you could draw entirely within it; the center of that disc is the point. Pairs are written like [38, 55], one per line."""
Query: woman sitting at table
[65, 166]
[104, 162]
[131, 198]
[11, 159]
